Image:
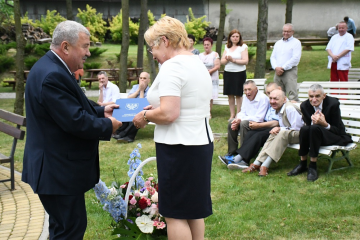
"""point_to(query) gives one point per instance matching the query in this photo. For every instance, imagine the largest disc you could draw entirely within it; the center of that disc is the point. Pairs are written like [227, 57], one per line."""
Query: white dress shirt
[338, 44]
[110, 93]
[286, 53]
[254, 110]
[295, 118]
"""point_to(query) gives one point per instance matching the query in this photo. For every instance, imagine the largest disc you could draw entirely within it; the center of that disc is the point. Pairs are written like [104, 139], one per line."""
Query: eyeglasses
[150, 49]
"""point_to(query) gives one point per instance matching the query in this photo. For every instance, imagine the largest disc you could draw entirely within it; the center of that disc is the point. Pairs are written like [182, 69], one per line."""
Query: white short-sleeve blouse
[233, 67]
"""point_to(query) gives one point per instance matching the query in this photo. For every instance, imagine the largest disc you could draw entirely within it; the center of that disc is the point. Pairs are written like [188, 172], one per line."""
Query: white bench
[351, 120]
[223, 99]
[354, 74]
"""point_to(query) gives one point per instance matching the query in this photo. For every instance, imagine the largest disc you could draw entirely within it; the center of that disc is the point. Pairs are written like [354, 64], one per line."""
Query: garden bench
[354, 74]
[351, 120]
[16, 133]
[223, 99]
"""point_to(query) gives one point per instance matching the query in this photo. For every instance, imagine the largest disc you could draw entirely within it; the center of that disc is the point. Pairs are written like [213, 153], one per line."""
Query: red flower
[130, 197]
[143, 203]
[156, 186]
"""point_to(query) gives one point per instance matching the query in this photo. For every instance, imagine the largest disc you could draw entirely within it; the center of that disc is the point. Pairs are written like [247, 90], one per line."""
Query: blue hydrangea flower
[139, 145]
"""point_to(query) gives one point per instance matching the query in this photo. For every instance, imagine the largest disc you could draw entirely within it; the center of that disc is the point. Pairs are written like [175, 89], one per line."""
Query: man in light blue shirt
[351, 28]
[127, 132]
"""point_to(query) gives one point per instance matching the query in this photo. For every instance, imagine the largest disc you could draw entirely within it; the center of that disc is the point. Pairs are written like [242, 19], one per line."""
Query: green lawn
[244, 205]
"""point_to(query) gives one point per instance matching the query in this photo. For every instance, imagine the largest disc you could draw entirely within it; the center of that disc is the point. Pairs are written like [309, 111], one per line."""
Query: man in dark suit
[324, 127]
[61, 158]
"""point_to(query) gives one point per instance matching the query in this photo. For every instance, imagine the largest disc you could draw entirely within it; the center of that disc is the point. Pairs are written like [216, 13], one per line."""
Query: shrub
[41, 49]
[3, 49]
[196, 26]
[116, 29]
[251, 51]
[249, 75]
[28, 49]
[10, 45]
[84, 84]
[151, 18]
[6, 63]
[95, 52]
[94, 22]
[29, 61]
[92, 65]
[49, 22]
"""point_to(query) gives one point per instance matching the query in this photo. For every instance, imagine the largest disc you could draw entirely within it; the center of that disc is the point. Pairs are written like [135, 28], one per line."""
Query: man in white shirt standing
[108, 92]
[284, 60]
[253, 108]
[339, 49]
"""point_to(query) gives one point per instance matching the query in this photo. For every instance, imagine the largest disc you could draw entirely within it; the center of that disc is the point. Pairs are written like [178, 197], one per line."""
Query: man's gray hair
[290, 25]
[67, 31]
[102, 73]
[250, 82]
[316, 87]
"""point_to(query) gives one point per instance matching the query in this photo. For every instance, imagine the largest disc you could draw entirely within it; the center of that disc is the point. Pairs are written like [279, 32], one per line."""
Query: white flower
[154, 197]
[145, 193]
[152, 210]
[145, 224]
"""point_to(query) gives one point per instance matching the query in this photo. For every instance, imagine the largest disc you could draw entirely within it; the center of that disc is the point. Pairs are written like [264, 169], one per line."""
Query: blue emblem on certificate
[128, 108]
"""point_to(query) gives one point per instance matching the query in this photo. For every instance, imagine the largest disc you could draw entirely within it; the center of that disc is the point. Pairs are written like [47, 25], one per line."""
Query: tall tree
[261, 46]
[19, 60]
[124, 45]
[288, 13]
[221, 26]
[69, 12]
[143, 24]
[152, 65]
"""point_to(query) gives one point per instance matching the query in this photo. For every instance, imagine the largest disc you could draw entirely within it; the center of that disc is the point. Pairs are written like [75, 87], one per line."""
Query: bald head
[277, 99]
[144, 77]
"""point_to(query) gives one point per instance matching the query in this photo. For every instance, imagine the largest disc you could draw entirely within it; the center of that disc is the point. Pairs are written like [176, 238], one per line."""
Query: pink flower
[137, 194]
[123, 186]
[150, 178]
[148, 201]
[133, 201]
[151, 190]
[147, 184]
[159, 225]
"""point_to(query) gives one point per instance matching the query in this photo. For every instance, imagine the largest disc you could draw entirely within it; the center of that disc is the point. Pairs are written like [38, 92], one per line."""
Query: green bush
[41, 49]
[94, 22]
[249, 75]
[49, 22]
[95, 52]
[251, 51]
[29, 61]
[3, 49]
[196, 26]
[92, 65]
[84, 84]
[6, 63]
[116, 29]
[10, 45]
[28, 49]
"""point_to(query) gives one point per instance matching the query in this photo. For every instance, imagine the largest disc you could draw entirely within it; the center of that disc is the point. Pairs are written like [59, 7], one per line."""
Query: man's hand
[319, 119]
[254, 125]
[275, 130]
[235, 124]
[108, 109]
[101, 86]
[115, 124]
[142, 86]
[279, 71]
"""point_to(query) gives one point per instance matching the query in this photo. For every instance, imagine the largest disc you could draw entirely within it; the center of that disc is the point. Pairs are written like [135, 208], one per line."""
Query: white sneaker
[236, 166]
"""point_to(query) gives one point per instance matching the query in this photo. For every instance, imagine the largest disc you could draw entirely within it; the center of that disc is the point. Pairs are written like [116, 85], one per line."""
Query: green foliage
[26, 20]
[228, 10]
[94, 22]
[49, 22]
[92, 65]
[249, 75]
[95, 52]
[116, 29]
[196, 26]
[41, 49]
[5, 84]
[84, 84]
[6, 63]
[3, 49]
[251, 51]
[28, 49]
[10, 45]
[151, 18]
[6, 12]
[29, 61]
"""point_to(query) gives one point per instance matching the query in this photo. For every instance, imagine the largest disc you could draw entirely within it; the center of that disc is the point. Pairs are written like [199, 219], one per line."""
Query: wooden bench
[223, 99]
[16, 133]
[351, 120]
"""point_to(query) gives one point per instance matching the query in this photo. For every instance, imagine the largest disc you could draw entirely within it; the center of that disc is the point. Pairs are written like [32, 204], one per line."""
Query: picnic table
[13, 82]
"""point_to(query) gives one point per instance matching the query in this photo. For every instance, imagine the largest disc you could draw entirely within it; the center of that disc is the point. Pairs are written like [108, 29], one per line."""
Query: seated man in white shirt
[127, 132]
[253, 108]
[108, 92]
[290, 121]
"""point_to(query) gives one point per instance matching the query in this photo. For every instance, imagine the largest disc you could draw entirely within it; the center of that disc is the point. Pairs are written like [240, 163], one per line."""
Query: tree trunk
[261, 46]
[20, 45]
[220, 35]
[69, 12]
[151, 65]
[124, 45]
[143, 24]
[288, 13]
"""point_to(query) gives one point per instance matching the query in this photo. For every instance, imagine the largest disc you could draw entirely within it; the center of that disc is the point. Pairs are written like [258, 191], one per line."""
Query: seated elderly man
[324, 127]
[127, 132]
[257, 136]
[253, 108]
[108, 92]
[290, 121]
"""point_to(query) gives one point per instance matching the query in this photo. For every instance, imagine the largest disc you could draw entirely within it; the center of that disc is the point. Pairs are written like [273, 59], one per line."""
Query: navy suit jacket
[63, 131]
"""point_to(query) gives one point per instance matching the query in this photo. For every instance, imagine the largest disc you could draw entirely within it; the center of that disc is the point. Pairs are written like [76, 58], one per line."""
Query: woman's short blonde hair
[172, 29]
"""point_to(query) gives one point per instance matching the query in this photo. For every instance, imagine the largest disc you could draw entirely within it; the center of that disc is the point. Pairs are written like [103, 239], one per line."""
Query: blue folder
[128, 108]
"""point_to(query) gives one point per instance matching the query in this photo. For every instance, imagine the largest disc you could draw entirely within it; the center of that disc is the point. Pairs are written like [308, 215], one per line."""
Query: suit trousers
[67, 216]
[253, 141]
[288, 83]
[276, 144]
[233, 143]
[127, 129]
[313, 136]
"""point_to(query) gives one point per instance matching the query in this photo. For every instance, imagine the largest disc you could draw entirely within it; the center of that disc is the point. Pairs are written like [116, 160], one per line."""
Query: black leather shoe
[297, 170]
[312, 175]
[125, 140]
[116, 136]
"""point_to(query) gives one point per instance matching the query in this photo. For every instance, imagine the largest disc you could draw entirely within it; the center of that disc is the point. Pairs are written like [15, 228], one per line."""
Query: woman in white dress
[212, 62]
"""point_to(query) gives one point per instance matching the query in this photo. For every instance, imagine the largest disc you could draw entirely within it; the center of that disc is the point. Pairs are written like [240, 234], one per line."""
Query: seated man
[324, 127]
[127, 132]
[253, 108]
[108, 92]
[257, 136]
[290, 121]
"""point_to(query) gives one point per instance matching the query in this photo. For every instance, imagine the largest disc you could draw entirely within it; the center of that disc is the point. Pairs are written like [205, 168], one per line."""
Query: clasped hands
[229, 58]
[319, 119]
[279, 71]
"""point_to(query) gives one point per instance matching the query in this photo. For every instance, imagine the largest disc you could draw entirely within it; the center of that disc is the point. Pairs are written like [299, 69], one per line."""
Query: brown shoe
[251, 168]
[263, 171]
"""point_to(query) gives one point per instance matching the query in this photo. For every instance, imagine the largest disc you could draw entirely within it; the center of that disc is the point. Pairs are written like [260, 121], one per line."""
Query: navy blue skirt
[234, 83]
[184, 174]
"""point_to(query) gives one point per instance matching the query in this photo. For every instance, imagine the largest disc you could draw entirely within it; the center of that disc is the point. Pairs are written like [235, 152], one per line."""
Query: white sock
[257, 163]
[237, 158]
[267, 162]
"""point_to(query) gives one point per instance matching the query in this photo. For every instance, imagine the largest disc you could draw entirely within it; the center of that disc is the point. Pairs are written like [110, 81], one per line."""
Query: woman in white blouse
[235, 58]
[179, 99]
